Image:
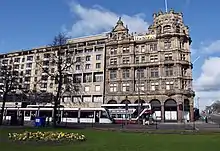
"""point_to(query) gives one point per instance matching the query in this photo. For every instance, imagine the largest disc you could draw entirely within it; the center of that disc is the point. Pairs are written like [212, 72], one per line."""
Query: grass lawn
[118, 141]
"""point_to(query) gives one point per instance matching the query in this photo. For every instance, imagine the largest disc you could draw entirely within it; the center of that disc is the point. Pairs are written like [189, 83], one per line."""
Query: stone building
[153, 67]
[88, 71]
[120, 67]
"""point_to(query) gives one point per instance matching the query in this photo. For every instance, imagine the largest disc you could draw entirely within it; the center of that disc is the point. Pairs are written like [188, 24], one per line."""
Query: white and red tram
[130, 114]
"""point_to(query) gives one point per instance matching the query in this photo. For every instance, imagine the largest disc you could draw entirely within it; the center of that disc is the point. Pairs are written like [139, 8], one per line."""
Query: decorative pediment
[119, 26]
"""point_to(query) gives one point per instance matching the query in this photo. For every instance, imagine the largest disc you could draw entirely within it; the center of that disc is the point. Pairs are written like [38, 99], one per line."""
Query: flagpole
[166, 5]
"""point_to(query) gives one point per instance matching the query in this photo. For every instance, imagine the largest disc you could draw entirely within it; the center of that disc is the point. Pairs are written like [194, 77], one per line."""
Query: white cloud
[209, 78]
[207, 85]
[213, 47]
[98, 19]
[210, 48]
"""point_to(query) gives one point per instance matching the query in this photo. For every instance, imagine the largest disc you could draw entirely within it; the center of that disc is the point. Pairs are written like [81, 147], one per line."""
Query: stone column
[191, 113]
[132, 76]
[162, 113]
[179, 113]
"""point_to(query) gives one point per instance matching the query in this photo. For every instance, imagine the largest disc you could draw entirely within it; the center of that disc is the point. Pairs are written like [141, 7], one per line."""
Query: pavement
[159, 126]
[198, 125]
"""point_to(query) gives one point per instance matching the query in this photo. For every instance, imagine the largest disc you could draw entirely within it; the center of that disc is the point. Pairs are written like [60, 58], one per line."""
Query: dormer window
[177, 29]
[167, 29]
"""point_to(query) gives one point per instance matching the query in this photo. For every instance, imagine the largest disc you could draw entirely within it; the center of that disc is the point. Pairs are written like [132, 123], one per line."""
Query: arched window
[125, 102]
[112, 102]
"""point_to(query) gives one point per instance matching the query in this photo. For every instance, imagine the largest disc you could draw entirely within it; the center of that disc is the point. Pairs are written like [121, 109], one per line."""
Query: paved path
[198, 125]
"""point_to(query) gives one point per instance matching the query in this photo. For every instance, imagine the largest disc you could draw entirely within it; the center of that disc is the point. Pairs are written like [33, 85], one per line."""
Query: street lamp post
[126, 112]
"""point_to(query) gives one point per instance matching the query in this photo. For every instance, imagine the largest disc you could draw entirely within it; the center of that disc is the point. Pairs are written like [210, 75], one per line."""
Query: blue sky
[27, 24]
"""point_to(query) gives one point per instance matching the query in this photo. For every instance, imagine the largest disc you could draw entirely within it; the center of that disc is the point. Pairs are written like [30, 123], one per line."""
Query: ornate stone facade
[154, 67]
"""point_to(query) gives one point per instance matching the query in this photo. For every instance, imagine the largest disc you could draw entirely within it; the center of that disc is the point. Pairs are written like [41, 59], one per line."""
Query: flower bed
[46, 137]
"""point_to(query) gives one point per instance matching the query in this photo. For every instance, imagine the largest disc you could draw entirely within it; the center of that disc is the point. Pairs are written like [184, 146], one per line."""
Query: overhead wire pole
[195, 59]
[139, 83]
[198, 102]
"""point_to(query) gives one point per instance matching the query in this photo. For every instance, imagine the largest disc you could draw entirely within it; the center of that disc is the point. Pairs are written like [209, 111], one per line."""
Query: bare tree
[63, 60]
[9, 83]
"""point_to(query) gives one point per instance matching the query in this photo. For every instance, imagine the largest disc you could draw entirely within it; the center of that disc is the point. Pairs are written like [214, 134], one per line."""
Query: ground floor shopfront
[177, 108]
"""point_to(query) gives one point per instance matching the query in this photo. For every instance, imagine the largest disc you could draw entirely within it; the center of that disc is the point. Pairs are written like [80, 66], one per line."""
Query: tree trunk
[3, 108]
[55, 112]
[56, 102]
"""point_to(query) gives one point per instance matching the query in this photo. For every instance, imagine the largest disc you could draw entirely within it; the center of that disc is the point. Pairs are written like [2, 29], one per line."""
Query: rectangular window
[140, 87]
[113, 87]
[97, 88]
[154, 86]
[168, 71]
[113, 74]
[154, 72]
[142, 49]
[88, 66]
[17, 60]
[98, 78]
[113, 61]
[140, 73]
[113, 51]
[168, 56]
[29, 58]
[28, 65]
[28, 72]
[88, 58]
[153, 47]
[87, 78]
[77, 78]
[137, 49]
[137, 59]
[169, 85]
[167, 45]
[153, 58]
[98, 57]
[143, 59]
[98, 65]
[86, 88]
[183, 57]
[125, 87]
[78, 59]
[126, 60]
[126, 50]
[77, 67]
[126, 74]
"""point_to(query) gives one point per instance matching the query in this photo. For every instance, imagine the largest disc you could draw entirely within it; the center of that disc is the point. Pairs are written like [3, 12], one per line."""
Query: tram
[132, 113]
[66, 115]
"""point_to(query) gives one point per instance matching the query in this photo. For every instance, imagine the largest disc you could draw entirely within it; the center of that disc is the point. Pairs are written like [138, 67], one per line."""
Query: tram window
[27, 113]
[87, 114]
[10, 112]
[119, 116]
[104, 114]
[45, 113]
[70, 114]
[113, 116]
[127, 116]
